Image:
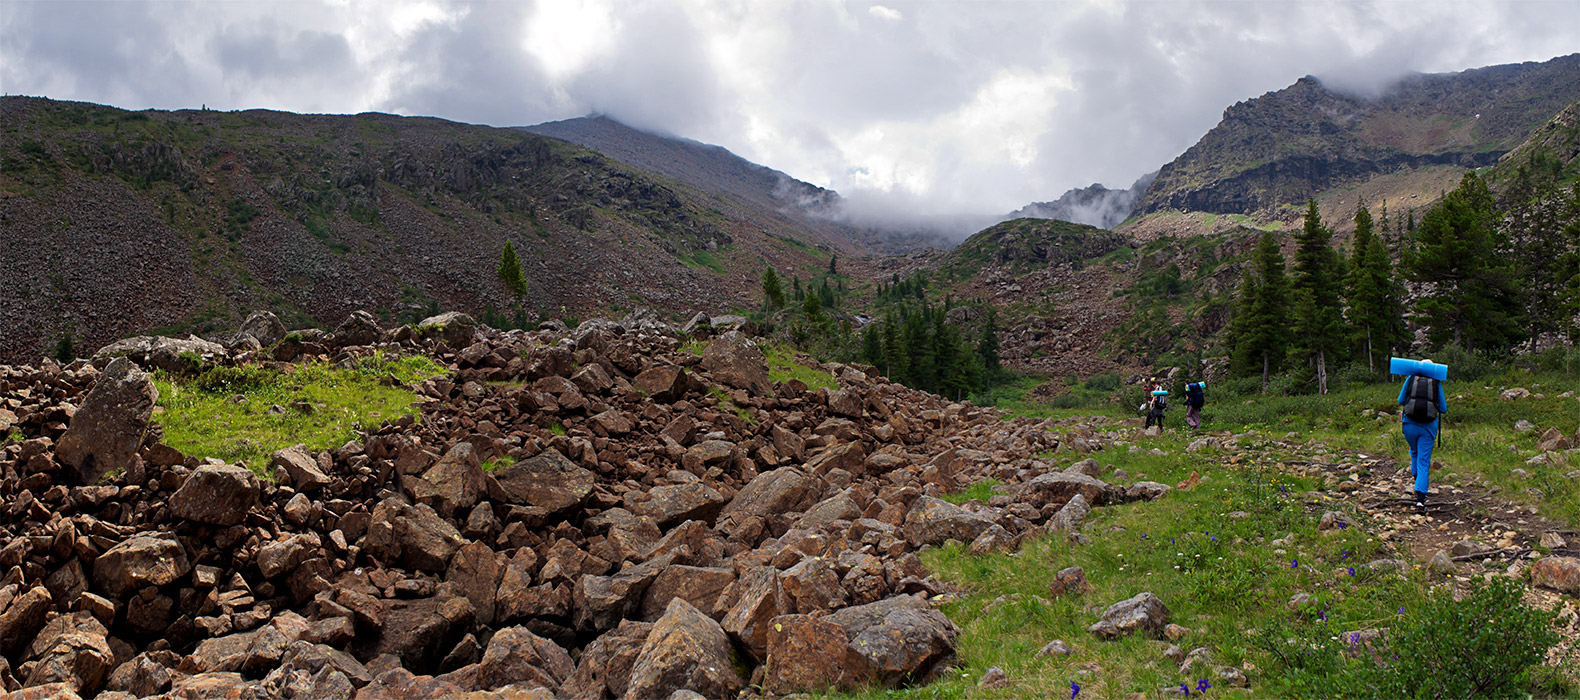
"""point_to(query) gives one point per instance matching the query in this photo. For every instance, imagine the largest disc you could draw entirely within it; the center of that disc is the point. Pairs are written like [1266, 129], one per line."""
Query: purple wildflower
[1351, 570]
[1202, 685]
[1401, 610]
[1184, 689]
[1294, 563]
[1075, 689]
[1343, 525]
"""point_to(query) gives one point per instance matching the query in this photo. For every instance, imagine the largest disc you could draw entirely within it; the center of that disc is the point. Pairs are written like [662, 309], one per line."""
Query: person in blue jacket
[1422, 399]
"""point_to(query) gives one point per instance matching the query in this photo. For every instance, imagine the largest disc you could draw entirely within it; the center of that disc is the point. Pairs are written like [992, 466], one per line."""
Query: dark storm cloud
[920, 108]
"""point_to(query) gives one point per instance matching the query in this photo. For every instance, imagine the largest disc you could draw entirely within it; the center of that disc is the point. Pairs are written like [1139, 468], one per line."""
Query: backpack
[1194, 396]
[1420, 403]
[1159, 403]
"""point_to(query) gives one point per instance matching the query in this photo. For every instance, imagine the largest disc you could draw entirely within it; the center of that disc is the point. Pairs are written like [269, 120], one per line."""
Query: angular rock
[1070, 517]
[423, 630]
[665, 384]
[216, 494]
[21, 618]
[300, 467]
[108, 427]
[782, 490]
[1558, 573]
[900, 640]
[478, 570]
[415, 536]
[685, 650]
[457, 480]
[1144, 612]
[810, 654]
[359, 328]
[738, 362]
[677, 503]
[452, 327]
[602, 601]
[546, 480]
[138, 562]
[813, 585]
[933, 521]
[604, 670]
[142, 676]
[264, 327]
[1058, 488]
[759, 598]
[516, 656]
[80, 657]
[703, 587]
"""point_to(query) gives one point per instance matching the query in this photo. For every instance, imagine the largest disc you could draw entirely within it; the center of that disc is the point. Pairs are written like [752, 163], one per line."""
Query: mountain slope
[1094, 205]
[1288, 145]
[118, 222]
[759, 192]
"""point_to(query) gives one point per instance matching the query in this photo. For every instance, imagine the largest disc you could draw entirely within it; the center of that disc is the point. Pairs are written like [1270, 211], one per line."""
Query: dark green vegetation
[245, 413]
[1019, 245]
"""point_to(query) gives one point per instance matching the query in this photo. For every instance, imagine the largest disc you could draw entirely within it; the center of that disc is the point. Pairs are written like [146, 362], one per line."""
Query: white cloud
[948, 107]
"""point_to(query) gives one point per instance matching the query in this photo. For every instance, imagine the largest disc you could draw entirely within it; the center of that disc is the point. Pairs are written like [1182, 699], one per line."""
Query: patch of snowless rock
[635, 538]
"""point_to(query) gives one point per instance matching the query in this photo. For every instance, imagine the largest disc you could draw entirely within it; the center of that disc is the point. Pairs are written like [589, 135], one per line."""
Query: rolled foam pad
[1424, 368]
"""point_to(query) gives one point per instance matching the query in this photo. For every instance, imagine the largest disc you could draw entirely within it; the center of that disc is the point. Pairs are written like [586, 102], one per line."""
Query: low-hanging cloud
[927, 109]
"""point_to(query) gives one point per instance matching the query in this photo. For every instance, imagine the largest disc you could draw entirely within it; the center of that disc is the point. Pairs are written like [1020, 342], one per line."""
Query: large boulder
[604, 670]
[546, 480]
[517, 656]
[414, 536]
[421, 631]
[758, 599]
[1143, 613]
[665, 383]
[602, 601]
[359, 328]
[783, 490]
[216, 494]
[1558, 573]
[108, 428]
[703, 587]
[933, 521]
[21, 616]
[141, 561]
[478, 570]
[897, 641]
[810, 654]
[454, 328]
[735, 360]
[685, 650]
[457, 480]
[677, 503]
[77, 653]
[300, 468]
[264, 327]
[1059, 487]
[169, 354]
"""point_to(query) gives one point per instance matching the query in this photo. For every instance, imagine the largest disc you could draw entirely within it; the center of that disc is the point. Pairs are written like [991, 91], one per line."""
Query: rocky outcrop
[106, 432]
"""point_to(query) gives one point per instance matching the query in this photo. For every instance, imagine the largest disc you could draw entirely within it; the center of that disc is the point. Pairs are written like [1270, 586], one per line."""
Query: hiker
[1422, 399]
[1195, 398]
[1156, 405]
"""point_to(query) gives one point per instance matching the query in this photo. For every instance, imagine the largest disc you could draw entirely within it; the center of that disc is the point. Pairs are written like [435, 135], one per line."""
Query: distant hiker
[1156, 405]
[1421, 397]
[1195, 398]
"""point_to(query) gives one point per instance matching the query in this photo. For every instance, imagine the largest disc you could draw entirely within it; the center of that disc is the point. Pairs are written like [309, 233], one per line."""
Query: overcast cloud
[923, 107]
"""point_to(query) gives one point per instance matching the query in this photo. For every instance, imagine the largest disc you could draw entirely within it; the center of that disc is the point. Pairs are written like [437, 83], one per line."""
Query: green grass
[498, 463]
[557, 429]
[1477, 441]
[1092, 397]
[728, 404]
[1220, 576]
[200, 419]
[979, 491]
[783, 367]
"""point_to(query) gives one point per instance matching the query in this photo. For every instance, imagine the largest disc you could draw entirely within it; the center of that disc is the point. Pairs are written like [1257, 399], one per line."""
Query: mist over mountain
[1094, 205]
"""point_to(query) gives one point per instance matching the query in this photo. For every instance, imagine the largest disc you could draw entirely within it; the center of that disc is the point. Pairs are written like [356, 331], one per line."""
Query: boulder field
[575, 513]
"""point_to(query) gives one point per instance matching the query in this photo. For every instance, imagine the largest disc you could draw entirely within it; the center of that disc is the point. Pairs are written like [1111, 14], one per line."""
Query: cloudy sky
[936, 107]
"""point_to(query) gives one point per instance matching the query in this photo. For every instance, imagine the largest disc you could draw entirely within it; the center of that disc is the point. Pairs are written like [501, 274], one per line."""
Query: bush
[1464, 364]
[1490, 644]
[233, 380]
[1103, 382]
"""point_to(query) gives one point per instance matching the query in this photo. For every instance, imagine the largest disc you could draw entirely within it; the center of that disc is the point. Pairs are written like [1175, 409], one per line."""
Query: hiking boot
[1420, 500]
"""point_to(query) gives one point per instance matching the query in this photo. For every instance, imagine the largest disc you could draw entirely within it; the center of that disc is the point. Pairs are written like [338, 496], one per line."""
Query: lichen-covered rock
[685, 650]
[1144, 613]
[108, 427]
[138, 562]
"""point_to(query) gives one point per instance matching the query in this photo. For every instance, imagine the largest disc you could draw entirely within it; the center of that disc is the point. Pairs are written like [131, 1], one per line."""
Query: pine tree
[1319, 319]
[1471, 297]
[66, 349]
[894, 354]
[987, 347]
[1372, 295]
[797, 288]
[772, 293]
[510, 272]
[831, 260]
[871, 345]
[1260, 327]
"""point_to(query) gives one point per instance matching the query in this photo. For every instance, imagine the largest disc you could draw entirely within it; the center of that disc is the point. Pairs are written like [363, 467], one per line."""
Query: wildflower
[1351, 570]
[1184, 689]
[1346, 554]
[1401, 610]
[1322, 616]
[1294, 563]
[1213, 539]
[1202, 685]
[1343, 525]
[1075, 689]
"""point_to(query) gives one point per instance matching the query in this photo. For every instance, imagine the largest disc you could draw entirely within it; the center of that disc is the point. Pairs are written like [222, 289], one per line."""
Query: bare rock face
[216, 494]
[108, 428]
[685, 650]
[782, 490]
[1143, 613]
[301, 469]
[454, 328]
[605, 667]
[516, 656]
[264, 327]
[144, 560]
[413, 535]
[932, 521]
[738, 362]
[170, 354]
[546, 480]
[810, 654]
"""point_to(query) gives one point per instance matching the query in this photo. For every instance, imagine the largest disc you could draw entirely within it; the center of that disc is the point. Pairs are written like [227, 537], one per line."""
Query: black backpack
[1194, 396]
[1420, 402]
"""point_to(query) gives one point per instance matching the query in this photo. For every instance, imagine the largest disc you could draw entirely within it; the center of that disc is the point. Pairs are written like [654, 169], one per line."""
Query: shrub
[1465, 364]
[233, 380]
[1103, 382]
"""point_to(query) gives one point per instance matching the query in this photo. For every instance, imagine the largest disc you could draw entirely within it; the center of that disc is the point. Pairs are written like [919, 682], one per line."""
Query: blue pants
[1420, 438]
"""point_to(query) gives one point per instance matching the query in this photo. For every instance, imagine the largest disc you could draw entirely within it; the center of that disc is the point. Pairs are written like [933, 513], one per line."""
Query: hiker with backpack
[1156, 405]
[1195, 398]
[1421, 397]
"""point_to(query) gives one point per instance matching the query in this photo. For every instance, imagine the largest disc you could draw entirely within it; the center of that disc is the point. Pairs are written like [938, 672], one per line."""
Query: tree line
[1473, 289]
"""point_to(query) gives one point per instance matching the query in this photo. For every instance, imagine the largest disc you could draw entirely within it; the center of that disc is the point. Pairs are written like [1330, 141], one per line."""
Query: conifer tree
[1261, 319]
[1471, 299]
[510, 272]
[831, 260]
[1372, 295]
[894, 356]
[797, 281]
[1319, 319]
[772, 292]
[871, 346]
[987, 347]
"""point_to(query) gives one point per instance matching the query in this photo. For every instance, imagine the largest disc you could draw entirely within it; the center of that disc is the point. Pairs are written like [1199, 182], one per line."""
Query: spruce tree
[1372, 296]
[871, 345]
[831, 260]
[987, 347]
[1260, 327]
[894, 353]
[510, 272]
[772, 292]
[1471, 298]
[1319, 319]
